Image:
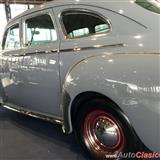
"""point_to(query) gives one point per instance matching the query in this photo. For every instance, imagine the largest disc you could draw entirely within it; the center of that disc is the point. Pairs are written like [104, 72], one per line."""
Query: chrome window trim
[89, 12]
[33, 15]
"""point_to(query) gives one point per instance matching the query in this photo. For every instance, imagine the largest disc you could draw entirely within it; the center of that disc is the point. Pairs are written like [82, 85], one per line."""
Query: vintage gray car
[91, 66]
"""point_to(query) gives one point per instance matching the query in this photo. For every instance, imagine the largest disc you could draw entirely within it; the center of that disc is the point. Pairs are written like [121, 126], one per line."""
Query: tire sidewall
[110, 108]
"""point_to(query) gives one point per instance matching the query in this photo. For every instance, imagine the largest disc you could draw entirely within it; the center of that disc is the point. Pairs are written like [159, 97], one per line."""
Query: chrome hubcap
[102, 134]
[106, 132]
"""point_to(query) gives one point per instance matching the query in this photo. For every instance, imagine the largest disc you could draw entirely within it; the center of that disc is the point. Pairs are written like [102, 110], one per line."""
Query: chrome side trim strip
[36, 52]
[52, 119]
[93, 47]
[77, 49]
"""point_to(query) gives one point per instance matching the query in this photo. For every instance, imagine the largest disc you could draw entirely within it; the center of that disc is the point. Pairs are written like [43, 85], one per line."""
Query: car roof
[100, 3]
[126, 8]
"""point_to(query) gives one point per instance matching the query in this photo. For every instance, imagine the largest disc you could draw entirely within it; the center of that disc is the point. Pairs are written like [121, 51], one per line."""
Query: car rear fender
[132, 81]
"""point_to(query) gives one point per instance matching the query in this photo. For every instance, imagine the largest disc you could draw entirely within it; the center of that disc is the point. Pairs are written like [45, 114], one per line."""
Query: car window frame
[10, 26]
[33, 15]
[90, 12]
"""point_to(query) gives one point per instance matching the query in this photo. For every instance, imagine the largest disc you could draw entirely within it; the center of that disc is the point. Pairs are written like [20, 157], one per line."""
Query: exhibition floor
[27, 138]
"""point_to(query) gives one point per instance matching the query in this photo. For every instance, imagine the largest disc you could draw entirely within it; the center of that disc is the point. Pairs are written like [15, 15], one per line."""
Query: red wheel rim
[103, 134]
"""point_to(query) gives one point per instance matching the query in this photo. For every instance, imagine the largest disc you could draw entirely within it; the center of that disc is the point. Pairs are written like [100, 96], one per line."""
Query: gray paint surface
[125, 81]
[128, 74]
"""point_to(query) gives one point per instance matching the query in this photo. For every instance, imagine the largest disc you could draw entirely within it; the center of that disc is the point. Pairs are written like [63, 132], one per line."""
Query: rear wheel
[102, 131]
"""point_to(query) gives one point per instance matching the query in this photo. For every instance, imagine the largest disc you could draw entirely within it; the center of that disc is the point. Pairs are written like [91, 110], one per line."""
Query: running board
[55, 120]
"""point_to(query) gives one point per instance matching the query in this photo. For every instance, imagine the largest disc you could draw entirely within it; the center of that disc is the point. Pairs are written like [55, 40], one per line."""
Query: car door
[40, 69]
[84, 33]
[11, 62]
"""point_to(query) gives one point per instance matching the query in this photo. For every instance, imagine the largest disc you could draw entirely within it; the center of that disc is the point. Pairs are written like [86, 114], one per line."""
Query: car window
[40, 30]
[79, 32]
[81, 24]
[12, 39]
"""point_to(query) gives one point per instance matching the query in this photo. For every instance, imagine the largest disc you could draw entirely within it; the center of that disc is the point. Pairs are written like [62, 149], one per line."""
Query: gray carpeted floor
[27, 138]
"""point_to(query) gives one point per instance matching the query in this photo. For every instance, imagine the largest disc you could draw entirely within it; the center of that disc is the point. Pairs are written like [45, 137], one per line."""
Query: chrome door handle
[52, 51]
